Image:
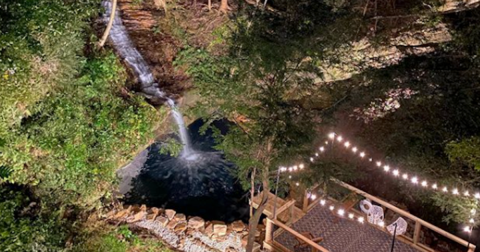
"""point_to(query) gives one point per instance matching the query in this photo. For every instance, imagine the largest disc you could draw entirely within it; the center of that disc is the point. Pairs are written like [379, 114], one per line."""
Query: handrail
[298, 235]
[419, 222]
[284, 207]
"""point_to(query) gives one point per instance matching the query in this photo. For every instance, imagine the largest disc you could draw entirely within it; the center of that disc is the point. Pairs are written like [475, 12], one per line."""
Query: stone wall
[192, 234]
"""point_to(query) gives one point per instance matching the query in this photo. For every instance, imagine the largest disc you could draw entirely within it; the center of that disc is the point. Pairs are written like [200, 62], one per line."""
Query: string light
[455, 191]
[424, 183]
[316, 154]
[341, 212]
[340, 139]
[379, 163]
[322, 202]
[467, 229]
[322, 149]
[386, 168]
[350, 215]
[445, 189]
[362, 154]
[396, 172]
[381, 223]
[347, 144]
[415, 180]
[331, 208]
[301, 166]
[471, 220]
[297, 184]
[311, 159]
[477, 195]
[354, 149]
[466, 193]
[361, 219]
[313, 197]
[405, 176]
[331, 135]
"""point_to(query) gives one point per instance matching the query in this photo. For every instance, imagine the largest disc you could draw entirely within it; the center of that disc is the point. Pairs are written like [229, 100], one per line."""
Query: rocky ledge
[192, 234]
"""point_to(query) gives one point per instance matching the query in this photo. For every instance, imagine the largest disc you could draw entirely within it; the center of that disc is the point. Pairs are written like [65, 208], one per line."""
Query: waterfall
[126, 49]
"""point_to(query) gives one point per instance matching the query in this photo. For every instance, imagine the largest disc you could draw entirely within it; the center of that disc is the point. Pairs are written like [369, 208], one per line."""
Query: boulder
[180, 227]
[196, 223]
[219, 229]
[209, 229]
[230, 249]
[244, 240]
[137, 217]
[170, 213]
[122, 214]
[143, 208]
[162, 220]
[257, 247]
[238, 226]
[180, 217]
[171, 225]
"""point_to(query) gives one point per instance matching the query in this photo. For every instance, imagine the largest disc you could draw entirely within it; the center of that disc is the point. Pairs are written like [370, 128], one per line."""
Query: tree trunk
[253, 222]
[109, 26]
[209, 5]
[252, 189]
[224, 6]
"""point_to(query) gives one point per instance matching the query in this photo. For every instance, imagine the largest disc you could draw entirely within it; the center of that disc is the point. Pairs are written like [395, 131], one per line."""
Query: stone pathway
[343, 236]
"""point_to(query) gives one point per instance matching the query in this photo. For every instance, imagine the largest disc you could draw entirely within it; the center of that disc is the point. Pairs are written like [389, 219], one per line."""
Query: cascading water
[124, 46]
[199, 182]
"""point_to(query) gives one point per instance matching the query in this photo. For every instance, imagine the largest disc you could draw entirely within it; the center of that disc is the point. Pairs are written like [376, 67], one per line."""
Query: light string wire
[415, 180]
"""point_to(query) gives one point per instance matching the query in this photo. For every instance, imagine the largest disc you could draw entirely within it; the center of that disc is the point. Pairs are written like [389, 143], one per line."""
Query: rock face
[238, 226]
[170, 213]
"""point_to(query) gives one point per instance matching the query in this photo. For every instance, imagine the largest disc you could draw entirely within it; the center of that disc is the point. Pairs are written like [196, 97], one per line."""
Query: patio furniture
[303, 244]
[401, 226]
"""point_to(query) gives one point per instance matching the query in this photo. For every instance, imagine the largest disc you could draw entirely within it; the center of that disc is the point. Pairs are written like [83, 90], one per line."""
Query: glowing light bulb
[351, 216]
[362, 154]
[289, 176]
[445, 189]
[331, 208]
[405, 176]
[331, 135]
[341, 212]
[290, 169]
[326, 142]
[473, 211]
[379, 164]
[466, 229]
[477, 195]
[354, 149]
[386, 168]
[313, 197]
[311, 159]
[370, 160]
[434, 186]
[340, 138]
[361, 219]
[295, 168]
[322, 202]
[455, 191]
[316, 154]
[381, 223]
[471, 220]
[396, 172]
[466, 193]
[347, 144]
[415, 180]
[297, 184]
[322, 149]
[424, 183]
[301, 166]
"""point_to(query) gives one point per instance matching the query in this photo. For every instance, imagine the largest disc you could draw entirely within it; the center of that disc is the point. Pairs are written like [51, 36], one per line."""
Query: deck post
[268, 230]
[416, 233]
[305, 201]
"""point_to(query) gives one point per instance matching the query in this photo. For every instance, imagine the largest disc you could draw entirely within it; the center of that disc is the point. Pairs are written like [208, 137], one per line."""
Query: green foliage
[171, 147]
[23, 227]
[66, 121]
[121, 239]
[467, 150]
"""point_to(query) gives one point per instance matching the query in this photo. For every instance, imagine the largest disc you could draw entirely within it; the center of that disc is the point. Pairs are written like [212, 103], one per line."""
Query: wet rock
[170, 213]
[196, 223]
[238, 226]
[162, 220]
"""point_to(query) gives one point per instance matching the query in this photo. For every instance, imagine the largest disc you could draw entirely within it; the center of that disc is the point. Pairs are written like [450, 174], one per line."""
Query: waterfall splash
[126, 49]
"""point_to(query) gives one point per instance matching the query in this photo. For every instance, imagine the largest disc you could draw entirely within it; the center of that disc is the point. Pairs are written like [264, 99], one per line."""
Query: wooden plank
[416, 233]
[299, 236]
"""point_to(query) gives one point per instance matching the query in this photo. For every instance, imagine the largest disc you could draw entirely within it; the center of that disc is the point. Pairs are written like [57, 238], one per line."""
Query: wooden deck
[282, 214]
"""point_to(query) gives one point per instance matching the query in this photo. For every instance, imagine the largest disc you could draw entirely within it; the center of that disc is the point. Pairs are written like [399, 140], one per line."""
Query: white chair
[375, 216]
[366, 206]
[401, 226]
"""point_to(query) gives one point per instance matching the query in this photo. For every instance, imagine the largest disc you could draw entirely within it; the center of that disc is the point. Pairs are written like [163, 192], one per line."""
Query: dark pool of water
[204, 187]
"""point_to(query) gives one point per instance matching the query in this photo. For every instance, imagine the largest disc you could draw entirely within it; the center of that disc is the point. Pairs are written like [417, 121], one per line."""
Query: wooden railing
[419, 223]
